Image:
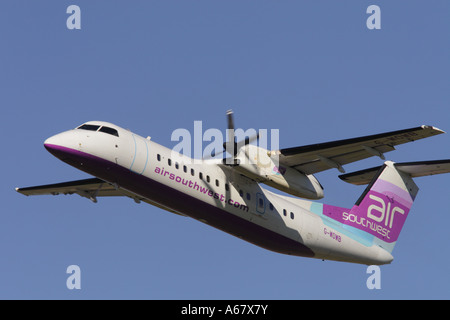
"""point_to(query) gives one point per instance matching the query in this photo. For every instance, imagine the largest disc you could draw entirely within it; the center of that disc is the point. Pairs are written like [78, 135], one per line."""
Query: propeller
[232, 147]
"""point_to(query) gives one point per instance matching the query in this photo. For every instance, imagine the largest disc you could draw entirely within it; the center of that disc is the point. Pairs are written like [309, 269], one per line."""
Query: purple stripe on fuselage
[179, 201]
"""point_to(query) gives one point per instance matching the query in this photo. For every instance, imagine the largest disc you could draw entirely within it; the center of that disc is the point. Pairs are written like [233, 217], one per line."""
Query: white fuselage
[211, 192]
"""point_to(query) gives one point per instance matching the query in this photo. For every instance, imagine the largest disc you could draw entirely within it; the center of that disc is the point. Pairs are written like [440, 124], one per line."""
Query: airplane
[229, 195]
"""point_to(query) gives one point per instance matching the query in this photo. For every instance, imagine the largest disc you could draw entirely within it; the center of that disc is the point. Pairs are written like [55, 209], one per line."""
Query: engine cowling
[256, 163]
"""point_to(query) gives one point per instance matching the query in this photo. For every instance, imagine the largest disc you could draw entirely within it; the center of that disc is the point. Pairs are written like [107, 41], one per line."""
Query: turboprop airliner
[230, 195]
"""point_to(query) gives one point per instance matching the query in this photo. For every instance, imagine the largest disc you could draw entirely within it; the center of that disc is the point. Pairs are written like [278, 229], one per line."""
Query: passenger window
[109, 131]
[271, 206]
[192, 172]
[184, 168]
[227, 187]
[217, 182]
[169, 162]
[284, 212]
[158, 156]
[176, 165]
[208, 179]
[248, 196]
[292, 215]
[200, 175]
[241, 193]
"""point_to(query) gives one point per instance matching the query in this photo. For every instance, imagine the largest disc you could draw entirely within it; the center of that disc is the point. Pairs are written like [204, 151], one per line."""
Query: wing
[323, 156]
[88, 188]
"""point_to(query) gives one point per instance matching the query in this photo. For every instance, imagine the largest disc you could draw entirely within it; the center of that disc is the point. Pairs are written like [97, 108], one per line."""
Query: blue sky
[313, 70]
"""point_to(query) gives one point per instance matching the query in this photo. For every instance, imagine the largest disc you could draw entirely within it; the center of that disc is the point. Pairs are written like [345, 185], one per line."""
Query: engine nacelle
[256, 163]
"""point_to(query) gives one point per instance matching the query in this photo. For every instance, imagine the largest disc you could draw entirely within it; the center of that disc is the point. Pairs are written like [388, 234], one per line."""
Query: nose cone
[51, 141]
[59, 145]
[63, 147]
[53, 144]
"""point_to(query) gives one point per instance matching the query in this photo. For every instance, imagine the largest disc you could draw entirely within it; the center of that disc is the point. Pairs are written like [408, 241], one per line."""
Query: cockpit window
[94, 127]
[89, 127]
[109, 130]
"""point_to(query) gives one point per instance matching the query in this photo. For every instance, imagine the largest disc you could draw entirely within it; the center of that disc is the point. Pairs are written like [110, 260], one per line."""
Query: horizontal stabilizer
[414, 169]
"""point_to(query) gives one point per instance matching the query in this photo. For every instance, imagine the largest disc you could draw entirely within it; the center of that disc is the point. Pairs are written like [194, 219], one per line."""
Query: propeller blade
[230, 147]
[249, 140]
[213, 155]
[246, 141]
[230, 129]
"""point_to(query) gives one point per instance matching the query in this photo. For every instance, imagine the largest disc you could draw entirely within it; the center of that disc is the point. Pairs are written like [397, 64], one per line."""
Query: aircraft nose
[58, 145]
[52, 143]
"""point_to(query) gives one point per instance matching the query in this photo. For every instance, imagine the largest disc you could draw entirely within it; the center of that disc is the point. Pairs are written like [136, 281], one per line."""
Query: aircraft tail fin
[382, 209]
